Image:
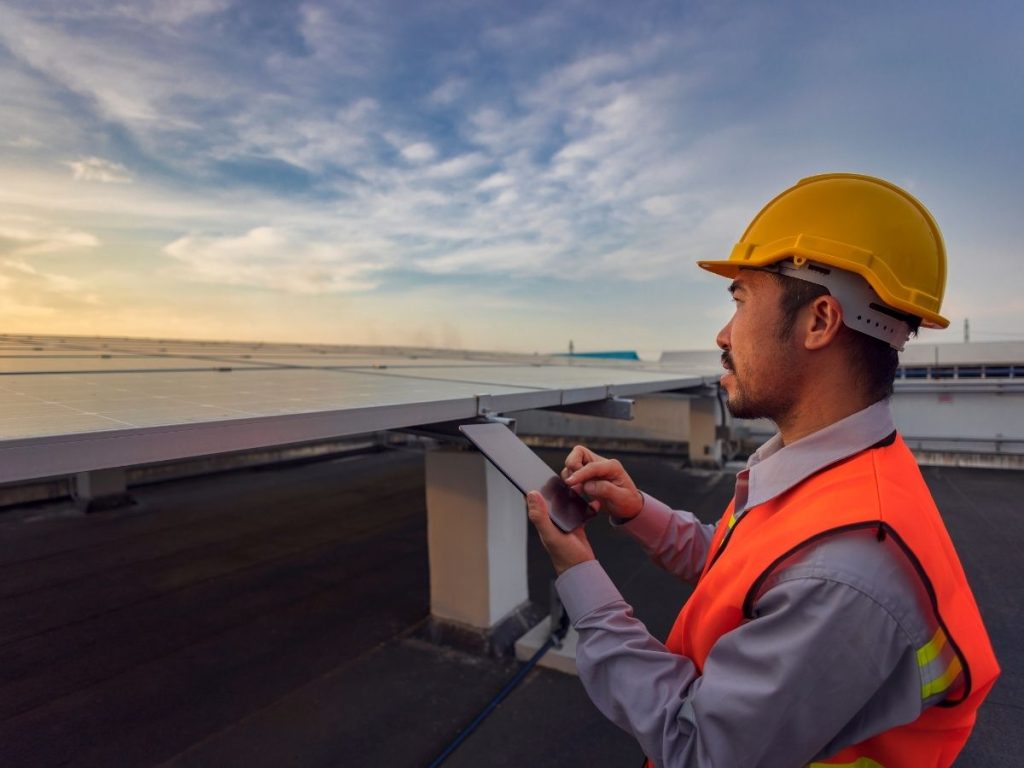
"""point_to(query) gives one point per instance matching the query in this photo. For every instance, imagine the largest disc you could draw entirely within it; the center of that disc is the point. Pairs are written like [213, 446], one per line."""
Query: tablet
[528, 472]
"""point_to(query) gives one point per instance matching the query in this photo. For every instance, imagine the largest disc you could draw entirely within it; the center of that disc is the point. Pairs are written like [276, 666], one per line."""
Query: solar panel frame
[237, 399]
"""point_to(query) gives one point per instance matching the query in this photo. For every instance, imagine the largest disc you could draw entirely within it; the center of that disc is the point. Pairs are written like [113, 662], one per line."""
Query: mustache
[727, 361]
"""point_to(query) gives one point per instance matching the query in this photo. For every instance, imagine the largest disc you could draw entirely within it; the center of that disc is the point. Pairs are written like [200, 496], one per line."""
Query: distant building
[959, 403]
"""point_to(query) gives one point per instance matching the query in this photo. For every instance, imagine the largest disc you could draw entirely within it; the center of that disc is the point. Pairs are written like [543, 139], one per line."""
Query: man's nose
[724, 336]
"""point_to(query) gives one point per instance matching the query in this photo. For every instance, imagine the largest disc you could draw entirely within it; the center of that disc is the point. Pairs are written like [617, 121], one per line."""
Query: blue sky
[477, 175]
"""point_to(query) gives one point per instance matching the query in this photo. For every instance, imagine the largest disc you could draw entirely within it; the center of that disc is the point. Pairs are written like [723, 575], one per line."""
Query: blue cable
[509, 687]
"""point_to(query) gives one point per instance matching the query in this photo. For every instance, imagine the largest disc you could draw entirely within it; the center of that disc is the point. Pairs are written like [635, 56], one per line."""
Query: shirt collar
[774, 468]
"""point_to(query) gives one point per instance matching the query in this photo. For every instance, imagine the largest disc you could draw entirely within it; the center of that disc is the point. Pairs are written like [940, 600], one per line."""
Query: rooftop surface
[269, 618]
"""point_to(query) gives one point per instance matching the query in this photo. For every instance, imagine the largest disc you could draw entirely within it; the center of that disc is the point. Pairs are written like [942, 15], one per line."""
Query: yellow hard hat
[855, 223]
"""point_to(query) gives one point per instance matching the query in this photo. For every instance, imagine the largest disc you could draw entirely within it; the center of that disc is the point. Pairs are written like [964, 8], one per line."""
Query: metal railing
[961, 371]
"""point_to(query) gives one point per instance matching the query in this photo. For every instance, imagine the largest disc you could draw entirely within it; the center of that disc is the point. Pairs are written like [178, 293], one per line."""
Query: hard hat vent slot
[889, 311]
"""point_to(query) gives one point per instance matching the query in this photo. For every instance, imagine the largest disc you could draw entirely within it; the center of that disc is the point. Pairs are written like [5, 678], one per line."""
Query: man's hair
[874, 360]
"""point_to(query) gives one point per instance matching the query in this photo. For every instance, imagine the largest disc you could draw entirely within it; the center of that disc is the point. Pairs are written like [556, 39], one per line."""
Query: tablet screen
[528, 472]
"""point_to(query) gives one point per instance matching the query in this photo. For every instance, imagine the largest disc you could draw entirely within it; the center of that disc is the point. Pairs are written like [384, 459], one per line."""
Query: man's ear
[823, 319]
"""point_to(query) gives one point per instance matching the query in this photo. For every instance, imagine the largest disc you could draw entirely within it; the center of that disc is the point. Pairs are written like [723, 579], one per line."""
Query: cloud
[420, 152]
[22, 236]
[449, 91]
[173, 12]
[496, 181]
[661, 205]
[98, 169]
[506, 197]
[274, 126]
[266, 257]
[126, 71]
[29, 292]
[22, 282]
[532, 31]
[23, 142]
[514, 258]
[348, 36]
[462, 165]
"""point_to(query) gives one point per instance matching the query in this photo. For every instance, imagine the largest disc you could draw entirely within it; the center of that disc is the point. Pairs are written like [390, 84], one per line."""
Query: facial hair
[736, 403]
[769, 399]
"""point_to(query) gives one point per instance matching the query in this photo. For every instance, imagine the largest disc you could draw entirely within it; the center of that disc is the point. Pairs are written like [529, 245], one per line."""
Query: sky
[478, 175]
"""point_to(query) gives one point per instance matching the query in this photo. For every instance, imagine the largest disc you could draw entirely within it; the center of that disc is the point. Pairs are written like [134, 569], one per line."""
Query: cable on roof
[555, 639]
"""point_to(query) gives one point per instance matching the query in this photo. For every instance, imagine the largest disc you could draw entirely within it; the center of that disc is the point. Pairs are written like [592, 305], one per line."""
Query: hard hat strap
[862, 309]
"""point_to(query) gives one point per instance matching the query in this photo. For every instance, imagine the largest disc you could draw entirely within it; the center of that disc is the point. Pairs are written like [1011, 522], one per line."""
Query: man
[831, 622]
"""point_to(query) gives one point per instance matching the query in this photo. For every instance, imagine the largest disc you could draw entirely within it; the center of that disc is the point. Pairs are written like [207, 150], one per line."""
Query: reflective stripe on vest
[880, 488]
[940, 667]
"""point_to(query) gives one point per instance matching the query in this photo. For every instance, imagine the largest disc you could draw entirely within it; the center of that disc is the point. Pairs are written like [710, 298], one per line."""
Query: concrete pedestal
[705, 447]
[101, 489]
[476, 532]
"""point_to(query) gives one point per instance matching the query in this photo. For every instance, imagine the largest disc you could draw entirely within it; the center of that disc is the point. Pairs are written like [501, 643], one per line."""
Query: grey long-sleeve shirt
[832, 657]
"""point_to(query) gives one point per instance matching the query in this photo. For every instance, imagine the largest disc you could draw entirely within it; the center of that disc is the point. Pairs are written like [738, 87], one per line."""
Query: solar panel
[71, 405]
[96, 364]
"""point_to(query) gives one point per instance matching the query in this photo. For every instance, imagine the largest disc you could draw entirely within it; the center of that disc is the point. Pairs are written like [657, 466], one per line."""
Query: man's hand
[604, 481]
[566, 549]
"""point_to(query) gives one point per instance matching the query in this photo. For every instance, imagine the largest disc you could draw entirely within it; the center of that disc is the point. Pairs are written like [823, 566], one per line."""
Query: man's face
[762, 368]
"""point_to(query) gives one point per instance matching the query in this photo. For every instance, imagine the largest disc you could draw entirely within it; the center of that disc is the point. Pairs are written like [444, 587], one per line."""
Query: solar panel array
[71, 404]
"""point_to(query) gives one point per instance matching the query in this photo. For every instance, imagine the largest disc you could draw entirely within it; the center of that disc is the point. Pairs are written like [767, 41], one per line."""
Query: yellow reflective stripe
[943, 681]
[931, 650]
[860, 762]
[732, 520]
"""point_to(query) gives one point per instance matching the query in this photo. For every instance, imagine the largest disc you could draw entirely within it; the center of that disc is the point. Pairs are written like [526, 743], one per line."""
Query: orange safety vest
[881, 489]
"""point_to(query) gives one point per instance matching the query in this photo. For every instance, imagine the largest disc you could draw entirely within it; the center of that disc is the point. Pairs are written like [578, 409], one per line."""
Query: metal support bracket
[448, 431]
[609, 408]
[701, 390]
[487, 414]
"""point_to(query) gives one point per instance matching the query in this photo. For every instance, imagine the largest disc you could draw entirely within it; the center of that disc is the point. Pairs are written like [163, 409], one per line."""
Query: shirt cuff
[648, 527]
[619, 521]
[584, 588]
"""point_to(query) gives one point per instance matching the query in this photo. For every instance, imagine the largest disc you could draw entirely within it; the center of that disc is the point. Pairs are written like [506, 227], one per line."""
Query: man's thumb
[535, 507]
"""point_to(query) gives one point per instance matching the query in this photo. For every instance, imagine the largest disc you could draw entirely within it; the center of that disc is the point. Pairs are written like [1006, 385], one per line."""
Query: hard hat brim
[751, 259]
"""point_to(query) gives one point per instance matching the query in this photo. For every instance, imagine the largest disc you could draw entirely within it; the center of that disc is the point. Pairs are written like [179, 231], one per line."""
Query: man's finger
[577, 457]
[604, 469]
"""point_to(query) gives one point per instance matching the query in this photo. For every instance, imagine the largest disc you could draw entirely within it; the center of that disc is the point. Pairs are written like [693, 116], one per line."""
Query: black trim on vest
[881, 526]
[885, 442]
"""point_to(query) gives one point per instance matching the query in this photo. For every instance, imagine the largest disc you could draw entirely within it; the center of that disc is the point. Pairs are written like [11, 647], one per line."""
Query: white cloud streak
[124, 85]
[269, 258]
[173, 12]
[449, 91]
[28, 291]
[98, 169]
[22, 236]
[420, 152]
